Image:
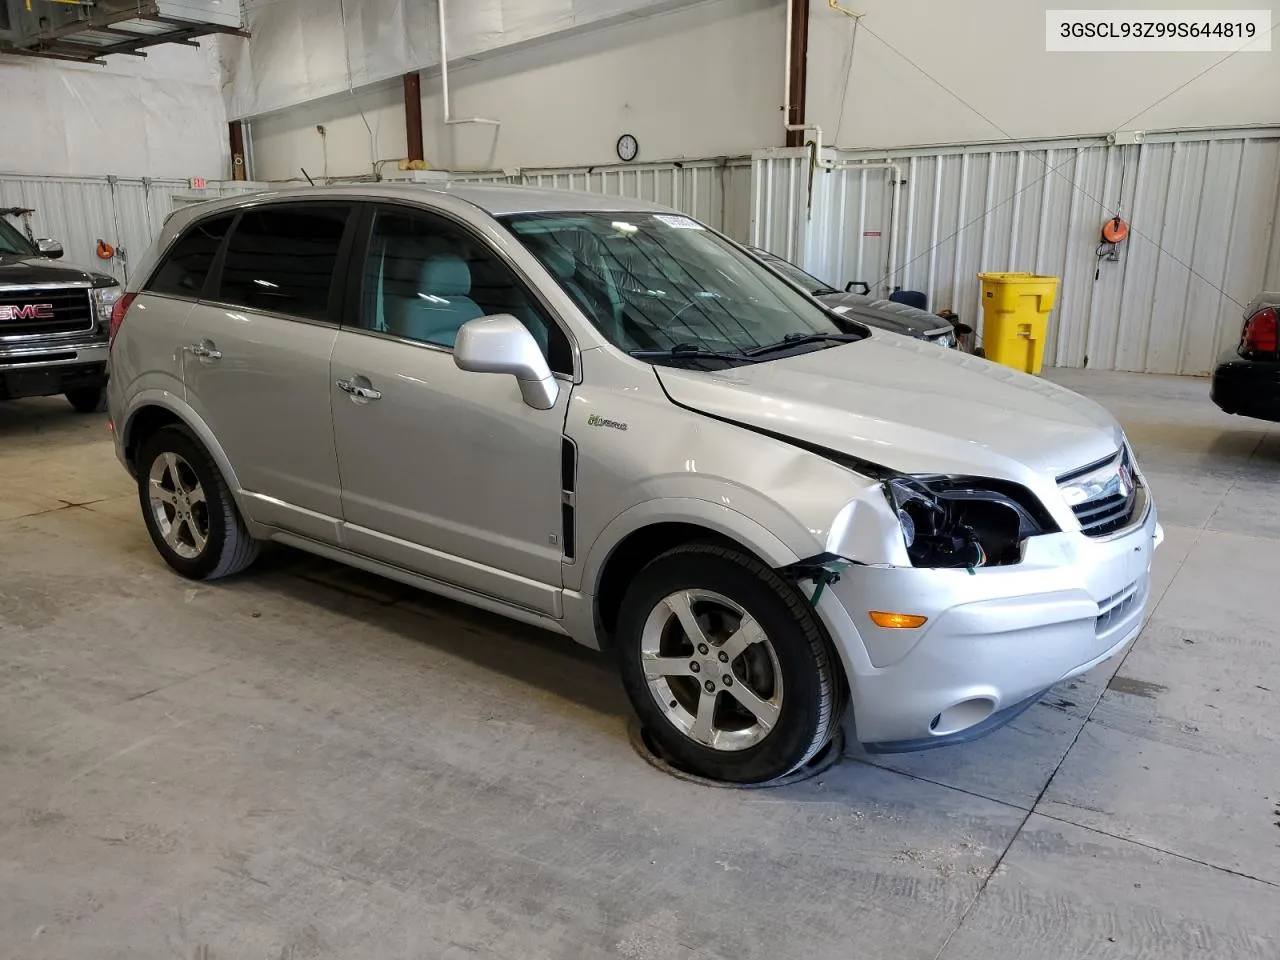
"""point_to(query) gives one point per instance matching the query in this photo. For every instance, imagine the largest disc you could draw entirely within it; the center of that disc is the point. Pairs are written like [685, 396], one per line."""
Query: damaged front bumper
[995, 639]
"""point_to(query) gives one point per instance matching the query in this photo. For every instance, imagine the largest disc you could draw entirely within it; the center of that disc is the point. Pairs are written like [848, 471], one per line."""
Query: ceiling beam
[184, 37]
[205, 27]
[47, 55]
[91, 50]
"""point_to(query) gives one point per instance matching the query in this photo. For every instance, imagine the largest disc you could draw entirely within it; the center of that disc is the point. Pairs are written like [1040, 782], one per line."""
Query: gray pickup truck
[53, 321]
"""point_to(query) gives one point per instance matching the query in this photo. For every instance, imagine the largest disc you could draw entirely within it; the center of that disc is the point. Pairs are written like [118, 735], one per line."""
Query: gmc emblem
[28, 311]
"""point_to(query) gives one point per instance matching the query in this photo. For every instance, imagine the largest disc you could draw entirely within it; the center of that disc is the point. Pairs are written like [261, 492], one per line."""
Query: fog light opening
[963, 715]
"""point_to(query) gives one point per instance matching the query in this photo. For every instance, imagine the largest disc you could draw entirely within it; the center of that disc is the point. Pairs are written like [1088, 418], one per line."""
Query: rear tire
[88, 399]
[727, 665]
[188, 508]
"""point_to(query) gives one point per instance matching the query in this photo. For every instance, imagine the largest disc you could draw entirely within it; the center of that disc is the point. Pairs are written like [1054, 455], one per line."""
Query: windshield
[12, 241]
[653, 282]
[797, 276]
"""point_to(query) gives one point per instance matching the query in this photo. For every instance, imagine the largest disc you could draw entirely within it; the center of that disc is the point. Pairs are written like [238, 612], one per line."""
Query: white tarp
[301, 49]
[162, 116]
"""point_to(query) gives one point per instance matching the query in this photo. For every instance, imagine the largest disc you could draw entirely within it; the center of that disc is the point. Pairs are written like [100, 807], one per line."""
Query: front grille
[1112, 494]
[44, 312]
[1115, 609]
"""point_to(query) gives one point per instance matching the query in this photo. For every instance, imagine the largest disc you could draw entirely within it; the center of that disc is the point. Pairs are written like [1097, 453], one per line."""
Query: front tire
[188, 509]
[727, 665]
[88, 399]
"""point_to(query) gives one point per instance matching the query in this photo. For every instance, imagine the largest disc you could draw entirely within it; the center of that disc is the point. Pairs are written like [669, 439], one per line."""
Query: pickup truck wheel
[188, 509]
[88, 399]
[727, 665]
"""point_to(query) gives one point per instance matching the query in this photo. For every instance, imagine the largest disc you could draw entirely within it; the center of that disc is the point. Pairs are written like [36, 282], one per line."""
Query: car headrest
[445, 275]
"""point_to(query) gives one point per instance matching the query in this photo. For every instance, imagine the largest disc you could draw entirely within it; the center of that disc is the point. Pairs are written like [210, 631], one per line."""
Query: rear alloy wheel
[178, 505]
[188, 509]
[727, 666]
[88, 399]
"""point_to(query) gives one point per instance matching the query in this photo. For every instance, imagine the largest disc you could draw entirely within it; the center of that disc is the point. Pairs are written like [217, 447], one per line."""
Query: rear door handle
[358, 391]
[205, 350]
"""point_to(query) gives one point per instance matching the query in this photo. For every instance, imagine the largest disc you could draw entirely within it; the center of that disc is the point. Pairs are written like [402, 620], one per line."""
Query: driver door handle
[358, 391]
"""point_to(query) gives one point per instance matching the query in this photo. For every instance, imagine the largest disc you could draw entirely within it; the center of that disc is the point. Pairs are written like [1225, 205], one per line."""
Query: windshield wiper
[800, 339]
[691, 351]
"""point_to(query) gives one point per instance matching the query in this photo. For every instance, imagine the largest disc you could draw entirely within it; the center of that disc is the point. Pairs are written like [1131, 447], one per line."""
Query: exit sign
[197, 183]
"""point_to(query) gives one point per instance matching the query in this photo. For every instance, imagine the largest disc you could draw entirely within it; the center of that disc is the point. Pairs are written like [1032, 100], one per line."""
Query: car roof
[497, 199]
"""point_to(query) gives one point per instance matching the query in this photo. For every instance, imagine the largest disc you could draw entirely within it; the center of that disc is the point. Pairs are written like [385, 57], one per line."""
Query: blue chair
[912, 298]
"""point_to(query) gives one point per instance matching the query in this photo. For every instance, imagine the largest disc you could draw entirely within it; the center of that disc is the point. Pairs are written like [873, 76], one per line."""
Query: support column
[239, 163]
[413, 116]
[798, 41]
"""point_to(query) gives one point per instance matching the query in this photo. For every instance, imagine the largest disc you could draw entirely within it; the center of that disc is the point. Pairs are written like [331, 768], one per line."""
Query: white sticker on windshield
[680, 223]
[840, 309]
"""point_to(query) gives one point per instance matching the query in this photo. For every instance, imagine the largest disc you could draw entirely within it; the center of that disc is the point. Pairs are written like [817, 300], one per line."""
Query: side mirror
[866, 287]
[51, 249]
[502, 344]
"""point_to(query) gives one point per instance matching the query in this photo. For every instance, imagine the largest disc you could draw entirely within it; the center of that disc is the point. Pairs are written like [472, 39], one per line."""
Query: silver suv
[601, 417]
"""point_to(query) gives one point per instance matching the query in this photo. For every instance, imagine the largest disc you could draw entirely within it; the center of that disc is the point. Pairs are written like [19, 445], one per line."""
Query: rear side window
[281, 260]
[182, 272]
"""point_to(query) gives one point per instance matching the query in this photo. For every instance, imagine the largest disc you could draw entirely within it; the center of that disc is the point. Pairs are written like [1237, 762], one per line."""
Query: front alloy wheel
[712, 670]
[730, 671]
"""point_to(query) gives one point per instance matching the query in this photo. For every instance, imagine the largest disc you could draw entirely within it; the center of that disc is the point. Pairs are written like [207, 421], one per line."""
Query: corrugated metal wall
[1203, 209]
[717, 192]
[81, 211]
[128, 213]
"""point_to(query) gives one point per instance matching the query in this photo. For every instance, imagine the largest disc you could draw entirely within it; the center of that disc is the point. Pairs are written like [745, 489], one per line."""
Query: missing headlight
[964, 522]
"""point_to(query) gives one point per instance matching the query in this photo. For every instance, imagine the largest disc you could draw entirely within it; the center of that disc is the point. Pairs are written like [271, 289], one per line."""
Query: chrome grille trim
[72, 311]
[1113, 506]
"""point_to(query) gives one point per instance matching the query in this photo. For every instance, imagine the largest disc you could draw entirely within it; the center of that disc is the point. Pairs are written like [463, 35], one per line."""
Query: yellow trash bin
[1015, 313]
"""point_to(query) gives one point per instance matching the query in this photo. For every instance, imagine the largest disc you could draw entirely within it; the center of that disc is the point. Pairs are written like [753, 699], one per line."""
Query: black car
[53, 321]
[1247, 378]
[884, 314]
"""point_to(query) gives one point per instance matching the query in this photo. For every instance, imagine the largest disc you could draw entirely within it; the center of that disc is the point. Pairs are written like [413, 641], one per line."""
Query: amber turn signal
[896, 621]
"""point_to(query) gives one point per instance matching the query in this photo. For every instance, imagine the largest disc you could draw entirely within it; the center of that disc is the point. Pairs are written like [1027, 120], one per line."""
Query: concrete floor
[305, 762]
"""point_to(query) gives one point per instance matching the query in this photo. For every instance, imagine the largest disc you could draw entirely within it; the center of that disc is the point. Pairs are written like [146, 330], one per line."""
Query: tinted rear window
[183, 271]
[281, 260]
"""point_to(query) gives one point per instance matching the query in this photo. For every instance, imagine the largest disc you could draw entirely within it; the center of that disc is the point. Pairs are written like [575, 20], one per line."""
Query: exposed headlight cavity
[965, 521]
[908, 527]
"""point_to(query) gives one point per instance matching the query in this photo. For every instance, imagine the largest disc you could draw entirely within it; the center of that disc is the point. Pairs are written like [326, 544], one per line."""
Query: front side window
[183, 270]
[424, 277]
[12, 241]
[661, 282]
[280, 259]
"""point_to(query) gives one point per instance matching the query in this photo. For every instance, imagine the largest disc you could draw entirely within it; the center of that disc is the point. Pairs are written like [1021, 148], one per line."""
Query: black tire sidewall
[178, 440]
[88, 399]
[804, 689]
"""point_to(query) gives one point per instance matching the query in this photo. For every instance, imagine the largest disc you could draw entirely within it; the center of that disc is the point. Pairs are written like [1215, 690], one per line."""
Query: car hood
[913, 408]
[897, 317]
[17, 269]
